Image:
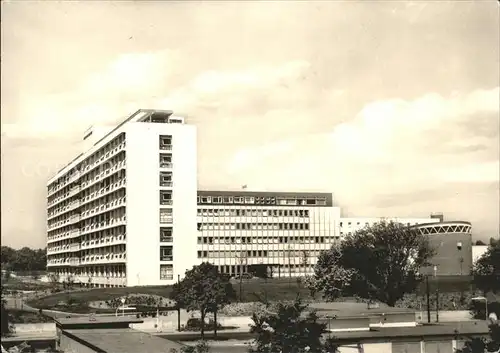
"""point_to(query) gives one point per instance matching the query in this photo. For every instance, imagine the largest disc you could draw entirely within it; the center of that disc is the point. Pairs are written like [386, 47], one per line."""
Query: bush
[447, 301]
[194, 324]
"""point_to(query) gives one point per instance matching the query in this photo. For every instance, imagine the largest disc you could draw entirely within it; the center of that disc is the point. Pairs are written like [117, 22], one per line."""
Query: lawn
[253, 290]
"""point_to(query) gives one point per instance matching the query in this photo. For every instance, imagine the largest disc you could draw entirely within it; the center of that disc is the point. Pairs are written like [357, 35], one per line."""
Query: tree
[203, 289]
[290, 330]
[480, 242]
[6, 318]
[379, 262]
[487, 269]
[481, 345]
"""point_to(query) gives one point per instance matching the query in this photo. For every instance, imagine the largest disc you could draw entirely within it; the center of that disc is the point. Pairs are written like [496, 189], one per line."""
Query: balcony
[166, 147]
[166, 202]
[166, 184]
[74, 191]
[166, 258]
[166, 165]
[74, 219]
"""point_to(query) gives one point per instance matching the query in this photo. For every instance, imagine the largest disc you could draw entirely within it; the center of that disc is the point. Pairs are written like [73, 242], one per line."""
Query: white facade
[350, 225]
[123, 213]
[284, 231]
[281, 231]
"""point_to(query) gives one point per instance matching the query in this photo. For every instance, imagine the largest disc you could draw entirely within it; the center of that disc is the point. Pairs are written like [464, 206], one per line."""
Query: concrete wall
[449, 260]
[143, 201]
[23, 329]
[368, 348]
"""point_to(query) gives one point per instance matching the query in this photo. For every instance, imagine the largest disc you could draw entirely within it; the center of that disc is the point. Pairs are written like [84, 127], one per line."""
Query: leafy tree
[24, 259]
[482, 345]
[494, 241]
[6, 318]
[203, 289]
[379, 262]
[290, 330]
[487, 269]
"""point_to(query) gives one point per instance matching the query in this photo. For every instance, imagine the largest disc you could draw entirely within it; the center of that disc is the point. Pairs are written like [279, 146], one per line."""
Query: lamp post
[479, 299]
[437, 293]
[178, 307]
[461, 259]
[428, 293]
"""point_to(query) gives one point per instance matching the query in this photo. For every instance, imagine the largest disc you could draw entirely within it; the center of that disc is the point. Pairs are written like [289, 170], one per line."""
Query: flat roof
[464, 328]
[122, 341]
[78, 320]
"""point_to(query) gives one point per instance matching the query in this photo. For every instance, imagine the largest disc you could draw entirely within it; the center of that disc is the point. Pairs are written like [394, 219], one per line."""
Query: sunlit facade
[123, 212]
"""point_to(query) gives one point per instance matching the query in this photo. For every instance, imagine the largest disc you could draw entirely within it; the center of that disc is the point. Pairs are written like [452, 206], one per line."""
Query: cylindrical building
[452, 242]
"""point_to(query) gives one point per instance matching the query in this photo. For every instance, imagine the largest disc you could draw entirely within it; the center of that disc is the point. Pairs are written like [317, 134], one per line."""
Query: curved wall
[444, 238]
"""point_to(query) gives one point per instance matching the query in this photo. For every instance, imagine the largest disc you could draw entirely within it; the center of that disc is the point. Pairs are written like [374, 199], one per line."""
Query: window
[166, 235]
[166, 253]
[165, 197]
[238, 199]
[217, 199]
[166, 179]
[165, 160]
[166, 215]
[166, 272]
[206, 199]
[165, 142]
[249, 199]
[228, 199]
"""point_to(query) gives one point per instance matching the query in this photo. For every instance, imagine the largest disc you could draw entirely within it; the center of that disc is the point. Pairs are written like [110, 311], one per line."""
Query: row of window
[273, 200]
[252, 213]
[100, 153]
[253, 226]
[264, 240]
[302, 255]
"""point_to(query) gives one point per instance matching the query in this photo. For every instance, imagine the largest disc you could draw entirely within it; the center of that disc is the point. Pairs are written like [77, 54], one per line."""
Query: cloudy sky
[393, 107]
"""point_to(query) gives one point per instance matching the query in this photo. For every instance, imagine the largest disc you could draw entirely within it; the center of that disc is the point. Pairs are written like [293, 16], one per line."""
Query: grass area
[253, 290]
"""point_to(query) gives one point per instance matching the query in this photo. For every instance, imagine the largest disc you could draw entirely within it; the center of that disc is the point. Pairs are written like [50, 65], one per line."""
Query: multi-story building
[118, 210]
[284, 231]
[127, 212]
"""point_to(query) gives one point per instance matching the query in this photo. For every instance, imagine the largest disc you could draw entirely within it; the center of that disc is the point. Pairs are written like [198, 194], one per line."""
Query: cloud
[137, 80]
[389, 146]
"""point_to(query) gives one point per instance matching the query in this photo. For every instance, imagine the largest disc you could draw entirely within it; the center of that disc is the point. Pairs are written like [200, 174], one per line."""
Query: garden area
[455, 294]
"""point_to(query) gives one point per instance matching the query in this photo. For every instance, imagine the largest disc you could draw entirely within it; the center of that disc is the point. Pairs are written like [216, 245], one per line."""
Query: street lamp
[479, 299]
[461, 259]
[437, 293]
[122, 300]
